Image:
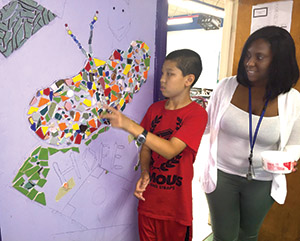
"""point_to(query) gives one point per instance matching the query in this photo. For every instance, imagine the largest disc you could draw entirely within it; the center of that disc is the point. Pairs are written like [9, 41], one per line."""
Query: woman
[239, 191]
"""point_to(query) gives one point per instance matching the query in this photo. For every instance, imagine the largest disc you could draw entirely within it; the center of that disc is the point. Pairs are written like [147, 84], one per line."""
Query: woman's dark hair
[188, 61]
[283, 70]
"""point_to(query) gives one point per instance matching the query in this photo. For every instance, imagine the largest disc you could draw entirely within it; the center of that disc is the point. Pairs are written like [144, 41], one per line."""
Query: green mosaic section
[34, 171]
[19, 20]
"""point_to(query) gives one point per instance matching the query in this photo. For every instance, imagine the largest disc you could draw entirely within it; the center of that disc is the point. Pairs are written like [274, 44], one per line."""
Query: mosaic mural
[66, 114]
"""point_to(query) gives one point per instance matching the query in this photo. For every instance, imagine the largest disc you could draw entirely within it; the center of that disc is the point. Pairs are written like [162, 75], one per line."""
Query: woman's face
[257, 62]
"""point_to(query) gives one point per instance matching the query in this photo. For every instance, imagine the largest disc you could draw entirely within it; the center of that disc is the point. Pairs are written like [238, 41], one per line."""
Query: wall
[282, 222]
[160, 41]
[101, 205]
[228, 38]
[207, 43]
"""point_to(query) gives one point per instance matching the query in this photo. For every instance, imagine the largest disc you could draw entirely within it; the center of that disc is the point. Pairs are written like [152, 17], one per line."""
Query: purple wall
[161, 40]
[101, 206]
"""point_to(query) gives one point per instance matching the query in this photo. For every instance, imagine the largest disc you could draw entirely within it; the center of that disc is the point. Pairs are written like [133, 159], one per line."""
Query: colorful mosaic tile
[19, 20]
[68, 111]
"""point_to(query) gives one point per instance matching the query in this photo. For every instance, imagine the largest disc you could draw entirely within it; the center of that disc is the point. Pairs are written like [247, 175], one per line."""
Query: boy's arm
[145, 158]
[142, 183]
[166, 148]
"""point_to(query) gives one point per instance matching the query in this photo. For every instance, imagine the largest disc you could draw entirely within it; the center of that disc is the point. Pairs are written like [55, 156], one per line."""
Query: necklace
[251, 173]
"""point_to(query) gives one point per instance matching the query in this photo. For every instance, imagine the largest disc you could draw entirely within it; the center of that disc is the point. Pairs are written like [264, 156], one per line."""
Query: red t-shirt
[169, 193]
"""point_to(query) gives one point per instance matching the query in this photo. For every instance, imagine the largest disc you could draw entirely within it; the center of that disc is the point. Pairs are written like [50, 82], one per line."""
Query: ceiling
[176, 9]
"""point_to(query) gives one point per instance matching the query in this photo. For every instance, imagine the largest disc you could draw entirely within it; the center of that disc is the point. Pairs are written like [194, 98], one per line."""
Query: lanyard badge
[251, 173]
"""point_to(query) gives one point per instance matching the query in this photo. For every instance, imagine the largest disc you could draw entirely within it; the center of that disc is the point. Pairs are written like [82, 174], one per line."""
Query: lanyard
[251, 173]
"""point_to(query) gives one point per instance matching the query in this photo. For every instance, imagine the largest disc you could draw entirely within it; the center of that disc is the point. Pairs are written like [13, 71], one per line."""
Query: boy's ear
[189, 79]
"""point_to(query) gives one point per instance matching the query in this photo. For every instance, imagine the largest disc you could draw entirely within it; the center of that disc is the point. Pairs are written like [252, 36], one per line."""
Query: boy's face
[172, 82]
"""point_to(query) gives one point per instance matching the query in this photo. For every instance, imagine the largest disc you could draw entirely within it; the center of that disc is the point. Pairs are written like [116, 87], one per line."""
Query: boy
[170, 132]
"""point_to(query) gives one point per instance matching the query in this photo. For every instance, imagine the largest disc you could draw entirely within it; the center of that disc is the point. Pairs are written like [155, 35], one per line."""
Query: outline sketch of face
[119, 20]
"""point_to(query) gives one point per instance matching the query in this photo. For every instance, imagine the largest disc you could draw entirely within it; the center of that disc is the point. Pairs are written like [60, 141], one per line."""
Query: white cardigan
[289, 112]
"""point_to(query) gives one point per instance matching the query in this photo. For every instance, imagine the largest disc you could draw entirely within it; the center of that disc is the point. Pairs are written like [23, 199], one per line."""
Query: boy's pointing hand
[115, 117]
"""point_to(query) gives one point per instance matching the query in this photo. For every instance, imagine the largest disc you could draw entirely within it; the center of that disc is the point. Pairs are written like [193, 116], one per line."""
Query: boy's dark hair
[188, 61]
[284, 70]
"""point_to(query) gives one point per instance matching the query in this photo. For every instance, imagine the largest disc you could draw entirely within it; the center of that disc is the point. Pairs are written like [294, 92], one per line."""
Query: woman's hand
[295, 168]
